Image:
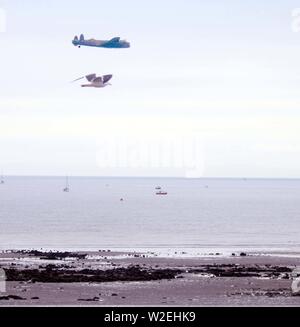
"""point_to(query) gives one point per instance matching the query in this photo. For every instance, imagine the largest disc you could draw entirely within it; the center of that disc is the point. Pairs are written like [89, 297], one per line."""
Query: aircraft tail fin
[76, 38]
[81, 37]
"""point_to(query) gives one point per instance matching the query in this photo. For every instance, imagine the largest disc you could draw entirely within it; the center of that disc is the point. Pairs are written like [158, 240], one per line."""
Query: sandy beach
[105, 278]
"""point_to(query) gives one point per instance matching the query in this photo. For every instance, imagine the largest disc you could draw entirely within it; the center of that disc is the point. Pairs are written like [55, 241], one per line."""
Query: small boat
[158, 188]
[161, 193]
[67, 188]
[2, 179]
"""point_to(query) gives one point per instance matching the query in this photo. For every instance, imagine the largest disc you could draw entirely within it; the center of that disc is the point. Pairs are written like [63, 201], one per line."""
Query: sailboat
[67, 188]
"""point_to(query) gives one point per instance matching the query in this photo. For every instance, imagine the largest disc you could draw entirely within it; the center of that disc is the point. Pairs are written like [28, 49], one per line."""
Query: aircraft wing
[107, 78]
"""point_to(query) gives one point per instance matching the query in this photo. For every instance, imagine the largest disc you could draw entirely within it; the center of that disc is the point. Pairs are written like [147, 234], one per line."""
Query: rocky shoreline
[67, 278]
[53, 275]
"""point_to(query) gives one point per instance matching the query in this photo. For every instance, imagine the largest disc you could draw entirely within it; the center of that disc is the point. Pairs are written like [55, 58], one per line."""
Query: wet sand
[124, 279]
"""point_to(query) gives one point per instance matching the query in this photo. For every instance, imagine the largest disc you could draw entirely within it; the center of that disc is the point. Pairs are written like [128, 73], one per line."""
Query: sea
[201, 215]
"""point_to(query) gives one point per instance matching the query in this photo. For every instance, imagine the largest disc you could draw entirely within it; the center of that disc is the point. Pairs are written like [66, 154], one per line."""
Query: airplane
[98, 82]
[114, 43]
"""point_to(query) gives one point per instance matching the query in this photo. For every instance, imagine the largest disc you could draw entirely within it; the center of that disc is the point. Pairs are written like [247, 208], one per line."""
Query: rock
[53, 256]
[284, 276]
[131, 273]
[94, 299]
[11, 297]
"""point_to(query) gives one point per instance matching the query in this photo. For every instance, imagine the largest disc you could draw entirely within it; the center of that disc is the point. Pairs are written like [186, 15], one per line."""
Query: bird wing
[107, 78]
[91, 77]
[98, 80]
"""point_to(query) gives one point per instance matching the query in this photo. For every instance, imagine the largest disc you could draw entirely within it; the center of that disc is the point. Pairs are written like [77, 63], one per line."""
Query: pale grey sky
[209, 88]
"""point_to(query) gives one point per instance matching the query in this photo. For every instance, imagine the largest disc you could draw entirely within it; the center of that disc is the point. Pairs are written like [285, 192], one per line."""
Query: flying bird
[115, 43]
[101, 81]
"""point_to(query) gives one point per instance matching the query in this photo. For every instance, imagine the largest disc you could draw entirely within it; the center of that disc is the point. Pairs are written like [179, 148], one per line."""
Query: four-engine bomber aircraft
[114, 43]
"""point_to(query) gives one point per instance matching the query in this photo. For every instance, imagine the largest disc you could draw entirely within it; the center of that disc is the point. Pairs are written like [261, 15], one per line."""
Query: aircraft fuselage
[110, 44]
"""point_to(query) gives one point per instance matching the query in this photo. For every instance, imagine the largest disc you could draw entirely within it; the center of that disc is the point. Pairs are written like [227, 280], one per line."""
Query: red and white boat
[161, 193]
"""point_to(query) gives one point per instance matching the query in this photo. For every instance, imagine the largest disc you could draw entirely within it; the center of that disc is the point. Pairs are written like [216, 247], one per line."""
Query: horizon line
[151, 177]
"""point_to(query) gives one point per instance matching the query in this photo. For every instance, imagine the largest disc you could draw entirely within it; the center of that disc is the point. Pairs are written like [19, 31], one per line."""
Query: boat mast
[67, 188]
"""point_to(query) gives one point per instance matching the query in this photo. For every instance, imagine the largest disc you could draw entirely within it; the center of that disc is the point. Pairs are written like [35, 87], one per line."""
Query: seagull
[101, 81]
